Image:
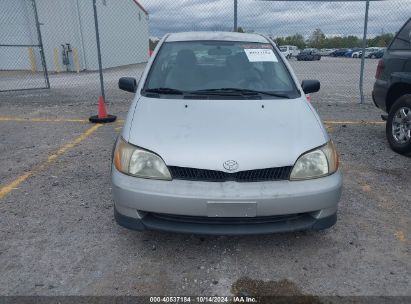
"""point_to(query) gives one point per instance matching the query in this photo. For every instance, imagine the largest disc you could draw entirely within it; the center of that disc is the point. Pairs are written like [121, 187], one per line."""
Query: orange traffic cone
[102, 116]
[102, 113]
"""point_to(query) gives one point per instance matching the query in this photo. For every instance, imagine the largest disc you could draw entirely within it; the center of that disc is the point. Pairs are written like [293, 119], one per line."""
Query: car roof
[220, 36]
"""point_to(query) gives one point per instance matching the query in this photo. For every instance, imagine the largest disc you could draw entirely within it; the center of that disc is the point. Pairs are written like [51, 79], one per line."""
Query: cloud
[278, 18]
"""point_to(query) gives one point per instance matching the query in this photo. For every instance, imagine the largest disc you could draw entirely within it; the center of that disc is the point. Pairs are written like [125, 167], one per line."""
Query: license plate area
[231, 209]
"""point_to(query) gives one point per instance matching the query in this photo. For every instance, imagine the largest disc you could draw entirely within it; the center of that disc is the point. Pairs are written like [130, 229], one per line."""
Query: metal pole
[81, 34]
[235, 16]
[364, 45]
[43, 59]
[100, 67]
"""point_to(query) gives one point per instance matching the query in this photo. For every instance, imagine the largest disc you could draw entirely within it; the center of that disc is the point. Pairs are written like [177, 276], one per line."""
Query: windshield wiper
[240, 91]
[221, 91]
[164, 91]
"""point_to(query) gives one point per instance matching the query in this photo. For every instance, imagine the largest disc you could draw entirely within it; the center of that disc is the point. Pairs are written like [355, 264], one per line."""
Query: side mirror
[128, 84]
[310, 86]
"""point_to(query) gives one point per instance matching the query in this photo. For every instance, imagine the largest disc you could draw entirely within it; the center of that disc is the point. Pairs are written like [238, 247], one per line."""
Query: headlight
[317, 163]
[135, 161]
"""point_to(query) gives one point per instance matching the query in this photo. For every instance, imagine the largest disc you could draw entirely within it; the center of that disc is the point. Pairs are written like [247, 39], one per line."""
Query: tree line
[320, 41]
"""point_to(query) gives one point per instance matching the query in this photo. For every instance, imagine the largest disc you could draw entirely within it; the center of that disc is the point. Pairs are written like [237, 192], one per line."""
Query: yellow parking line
[24, 119]
[13, 185]
[39, 119]
[75, 142]
[366, 188]
[121, 121]
[400, 235]
[6, 189]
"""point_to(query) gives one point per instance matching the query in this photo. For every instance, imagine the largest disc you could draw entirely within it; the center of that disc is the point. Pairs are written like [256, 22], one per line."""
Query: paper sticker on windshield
[260, 55]
[257, 46]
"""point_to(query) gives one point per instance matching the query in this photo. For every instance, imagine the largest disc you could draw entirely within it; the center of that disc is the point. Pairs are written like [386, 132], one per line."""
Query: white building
[123, 27]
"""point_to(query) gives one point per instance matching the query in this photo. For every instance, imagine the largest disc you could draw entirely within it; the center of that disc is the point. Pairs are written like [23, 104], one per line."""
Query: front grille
[227, 220]
[260, 175]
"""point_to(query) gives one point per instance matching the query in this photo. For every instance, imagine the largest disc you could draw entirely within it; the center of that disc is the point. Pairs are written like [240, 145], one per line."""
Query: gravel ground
[58, 235]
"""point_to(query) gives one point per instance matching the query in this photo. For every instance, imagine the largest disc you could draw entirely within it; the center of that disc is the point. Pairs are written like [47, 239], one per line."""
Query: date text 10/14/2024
[203, 299]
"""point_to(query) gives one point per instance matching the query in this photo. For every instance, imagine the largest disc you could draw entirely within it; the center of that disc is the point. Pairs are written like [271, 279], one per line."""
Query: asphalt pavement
[58, 235]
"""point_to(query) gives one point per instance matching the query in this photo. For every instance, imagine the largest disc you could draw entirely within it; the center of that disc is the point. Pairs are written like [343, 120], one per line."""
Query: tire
[398, 126]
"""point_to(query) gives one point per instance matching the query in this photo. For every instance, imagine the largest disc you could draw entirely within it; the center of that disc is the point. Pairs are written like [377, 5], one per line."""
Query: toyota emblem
[230, 165]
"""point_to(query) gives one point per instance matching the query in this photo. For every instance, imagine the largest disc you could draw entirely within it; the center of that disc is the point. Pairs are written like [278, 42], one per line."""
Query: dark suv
[309, 55]
[392, 90]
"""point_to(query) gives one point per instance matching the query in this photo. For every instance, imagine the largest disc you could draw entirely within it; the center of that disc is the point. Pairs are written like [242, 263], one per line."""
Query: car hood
[205, 133]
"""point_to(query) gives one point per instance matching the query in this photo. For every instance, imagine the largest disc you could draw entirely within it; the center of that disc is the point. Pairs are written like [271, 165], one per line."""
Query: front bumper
[199, 225]
[183, 206]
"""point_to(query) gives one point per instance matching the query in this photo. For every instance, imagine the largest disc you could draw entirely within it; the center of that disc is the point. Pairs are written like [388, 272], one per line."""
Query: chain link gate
[70, 40]
[22, 64]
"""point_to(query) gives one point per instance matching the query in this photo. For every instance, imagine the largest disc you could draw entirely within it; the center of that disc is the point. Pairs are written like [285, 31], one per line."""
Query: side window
[403, 40]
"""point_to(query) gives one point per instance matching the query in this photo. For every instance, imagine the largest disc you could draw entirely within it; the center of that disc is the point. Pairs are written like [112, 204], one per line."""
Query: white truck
[289, 50]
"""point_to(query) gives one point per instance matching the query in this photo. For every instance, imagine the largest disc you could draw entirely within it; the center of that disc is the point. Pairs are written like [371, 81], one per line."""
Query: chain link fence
[22, 64]
[130, 29]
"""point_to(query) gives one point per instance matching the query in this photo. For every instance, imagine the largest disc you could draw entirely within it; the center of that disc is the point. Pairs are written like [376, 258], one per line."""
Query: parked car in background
[326, 52]
[309, 55]
[289, 50]
[186, 162]
[338, 53]
[392, 90]
[357, 54]
[349, 52]
[370, 50]
[377, 54]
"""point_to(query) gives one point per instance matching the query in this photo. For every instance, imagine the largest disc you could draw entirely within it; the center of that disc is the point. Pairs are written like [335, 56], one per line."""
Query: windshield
[192, 66]
[283, 49]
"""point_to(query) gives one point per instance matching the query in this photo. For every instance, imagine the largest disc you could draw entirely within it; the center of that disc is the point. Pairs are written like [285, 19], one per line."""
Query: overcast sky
[276, 18]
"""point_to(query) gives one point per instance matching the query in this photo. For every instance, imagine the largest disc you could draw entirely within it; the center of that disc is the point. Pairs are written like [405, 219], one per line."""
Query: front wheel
[398, 128]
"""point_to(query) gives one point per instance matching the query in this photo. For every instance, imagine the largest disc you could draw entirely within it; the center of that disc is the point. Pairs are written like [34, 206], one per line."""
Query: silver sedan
[220, 139]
